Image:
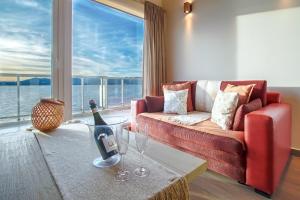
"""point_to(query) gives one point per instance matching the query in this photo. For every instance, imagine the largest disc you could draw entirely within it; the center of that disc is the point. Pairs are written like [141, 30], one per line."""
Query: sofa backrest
[259, 90]
[206, 92]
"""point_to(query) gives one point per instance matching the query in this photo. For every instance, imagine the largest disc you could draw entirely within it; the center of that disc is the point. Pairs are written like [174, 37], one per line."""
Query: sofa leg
[269, 196]
[242, 183]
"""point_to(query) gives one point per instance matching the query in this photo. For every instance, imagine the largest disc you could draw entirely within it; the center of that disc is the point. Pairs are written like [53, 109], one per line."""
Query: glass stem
[122, 163]
[141, 159]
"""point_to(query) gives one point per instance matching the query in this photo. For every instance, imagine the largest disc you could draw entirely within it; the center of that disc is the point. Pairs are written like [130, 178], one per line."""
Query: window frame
[62, 54]
[61, 65]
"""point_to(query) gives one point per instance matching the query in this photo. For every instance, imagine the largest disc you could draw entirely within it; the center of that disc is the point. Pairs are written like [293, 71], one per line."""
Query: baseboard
[295, 152]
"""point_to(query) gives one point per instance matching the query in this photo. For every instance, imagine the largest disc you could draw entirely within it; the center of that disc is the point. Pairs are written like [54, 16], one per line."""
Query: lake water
[30, 95]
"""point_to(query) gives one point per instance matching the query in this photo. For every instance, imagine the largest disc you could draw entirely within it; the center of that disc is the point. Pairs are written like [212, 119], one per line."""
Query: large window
[107, 55]
[35, 46]
[25, 56]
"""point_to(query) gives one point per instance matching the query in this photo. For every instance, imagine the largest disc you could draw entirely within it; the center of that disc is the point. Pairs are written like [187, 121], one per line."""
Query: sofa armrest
[137, 106]
[273, 97]
[268, 142]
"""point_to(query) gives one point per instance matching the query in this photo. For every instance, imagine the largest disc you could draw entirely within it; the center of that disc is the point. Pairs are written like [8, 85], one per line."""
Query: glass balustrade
[19, 93]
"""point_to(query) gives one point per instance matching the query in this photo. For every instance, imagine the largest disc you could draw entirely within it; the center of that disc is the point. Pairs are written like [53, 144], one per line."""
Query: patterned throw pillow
[224, 109]
[175, 101]
[182, 86]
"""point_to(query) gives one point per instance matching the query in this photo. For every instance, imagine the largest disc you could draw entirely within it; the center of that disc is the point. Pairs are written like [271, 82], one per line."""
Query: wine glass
[122, 139]
[141, 139]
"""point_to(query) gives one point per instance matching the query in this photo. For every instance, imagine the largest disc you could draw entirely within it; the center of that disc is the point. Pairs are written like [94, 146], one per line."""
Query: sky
[106, 41]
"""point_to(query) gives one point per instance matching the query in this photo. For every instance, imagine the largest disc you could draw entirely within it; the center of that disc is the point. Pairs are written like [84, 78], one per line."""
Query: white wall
[238, 39]
[268, 47]
[200, 45]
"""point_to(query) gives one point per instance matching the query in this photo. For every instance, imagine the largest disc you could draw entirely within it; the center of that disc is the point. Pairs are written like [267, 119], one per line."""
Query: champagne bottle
[103, 134]
[105, 141]
[98, 119]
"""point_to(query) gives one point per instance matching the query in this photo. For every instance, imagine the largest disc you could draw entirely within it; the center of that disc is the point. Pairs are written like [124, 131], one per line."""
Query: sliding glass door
[36, 59]
[107, 55]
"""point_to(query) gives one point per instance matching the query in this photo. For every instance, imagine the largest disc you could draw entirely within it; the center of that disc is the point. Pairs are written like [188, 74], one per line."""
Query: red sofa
[256, 156]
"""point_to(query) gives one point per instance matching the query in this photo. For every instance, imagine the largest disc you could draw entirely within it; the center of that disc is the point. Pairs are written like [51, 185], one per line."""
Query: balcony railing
[20, 92]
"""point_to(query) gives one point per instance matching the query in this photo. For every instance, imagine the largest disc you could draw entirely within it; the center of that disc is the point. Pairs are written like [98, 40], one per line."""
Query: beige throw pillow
[244, 92]
[175, 101]
[224, 109]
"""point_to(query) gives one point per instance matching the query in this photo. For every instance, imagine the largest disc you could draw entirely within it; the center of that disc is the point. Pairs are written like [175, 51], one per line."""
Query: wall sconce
[187, 7]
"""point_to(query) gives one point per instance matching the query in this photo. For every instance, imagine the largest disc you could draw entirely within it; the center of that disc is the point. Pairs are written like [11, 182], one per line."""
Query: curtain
[154, 50]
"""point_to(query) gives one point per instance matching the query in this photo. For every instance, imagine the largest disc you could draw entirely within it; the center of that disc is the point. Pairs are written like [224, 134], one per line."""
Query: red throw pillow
[182, 86]
[238, 123]
[154, 103]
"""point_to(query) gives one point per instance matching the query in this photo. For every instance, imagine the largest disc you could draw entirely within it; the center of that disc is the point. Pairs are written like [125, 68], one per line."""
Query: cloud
[105, 41]
[20, 54]
[36, 5]
[88, 67]
[28, 3]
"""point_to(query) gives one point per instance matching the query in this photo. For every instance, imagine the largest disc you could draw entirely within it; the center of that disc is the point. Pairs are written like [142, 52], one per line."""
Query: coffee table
[183, 163]
[35, 180]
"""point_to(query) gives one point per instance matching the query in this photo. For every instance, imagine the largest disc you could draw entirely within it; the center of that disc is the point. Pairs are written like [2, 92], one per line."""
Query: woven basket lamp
[48, 114]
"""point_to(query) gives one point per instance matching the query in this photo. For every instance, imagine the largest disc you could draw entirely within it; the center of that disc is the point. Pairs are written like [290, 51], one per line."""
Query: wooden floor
[212, 186]
[209, 186]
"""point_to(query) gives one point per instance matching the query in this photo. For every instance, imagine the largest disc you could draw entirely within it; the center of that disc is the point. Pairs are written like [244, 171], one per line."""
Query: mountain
[3, 83]
[36, 81]
[75, 81]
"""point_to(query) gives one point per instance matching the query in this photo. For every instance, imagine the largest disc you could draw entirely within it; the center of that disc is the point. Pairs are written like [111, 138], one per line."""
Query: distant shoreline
[75, 81]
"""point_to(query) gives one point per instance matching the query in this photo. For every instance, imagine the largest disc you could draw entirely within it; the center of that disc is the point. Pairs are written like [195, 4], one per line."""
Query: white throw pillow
[206, 92]
[224, 109]
[175, 101]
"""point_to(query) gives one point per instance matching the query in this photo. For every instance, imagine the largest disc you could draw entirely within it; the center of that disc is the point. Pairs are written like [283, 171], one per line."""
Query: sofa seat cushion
[223, 150]
[205, 134]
